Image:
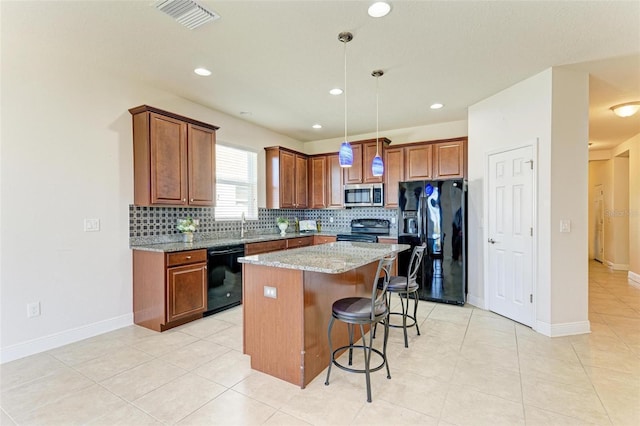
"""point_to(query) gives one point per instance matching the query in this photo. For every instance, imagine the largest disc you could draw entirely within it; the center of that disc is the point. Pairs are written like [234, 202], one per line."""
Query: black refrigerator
[435, 212]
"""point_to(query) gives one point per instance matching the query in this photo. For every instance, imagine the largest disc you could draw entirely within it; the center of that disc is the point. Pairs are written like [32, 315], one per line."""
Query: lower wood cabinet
[275, 245]
[169, 289]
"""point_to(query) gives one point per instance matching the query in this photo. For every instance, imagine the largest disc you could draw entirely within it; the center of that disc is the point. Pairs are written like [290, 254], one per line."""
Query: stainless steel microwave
[363, 195]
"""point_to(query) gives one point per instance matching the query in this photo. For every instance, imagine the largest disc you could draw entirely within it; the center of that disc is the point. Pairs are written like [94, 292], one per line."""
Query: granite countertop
[219, 242]
[331, 258]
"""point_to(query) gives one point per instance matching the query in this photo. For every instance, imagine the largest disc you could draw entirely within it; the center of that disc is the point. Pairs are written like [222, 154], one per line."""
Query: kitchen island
[287, 299]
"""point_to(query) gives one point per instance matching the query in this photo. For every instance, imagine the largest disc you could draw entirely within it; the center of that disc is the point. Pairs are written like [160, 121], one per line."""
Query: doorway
[598, 249]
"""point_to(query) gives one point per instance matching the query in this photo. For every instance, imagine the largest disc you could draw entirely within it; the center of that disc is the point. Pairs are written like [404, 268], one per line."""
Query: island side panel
[320, 291]
[273, 328]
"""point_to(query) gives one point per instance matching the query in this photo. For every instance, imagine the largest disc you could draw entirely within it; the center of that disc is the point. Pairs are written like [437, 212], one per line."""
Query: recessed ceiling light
[336, 91]
[436, 106]
[202, 71]
[379, 9]
[317, 126]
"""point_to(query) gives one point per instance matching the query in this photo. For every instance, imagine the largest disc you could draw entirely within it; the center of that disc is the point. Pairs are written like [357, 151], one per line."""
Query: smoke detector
[187, 12]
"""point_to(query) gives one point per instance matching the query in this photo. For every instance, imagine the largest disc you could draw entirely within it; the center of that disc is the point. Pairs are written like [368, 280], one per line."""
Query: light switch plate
[565, 225]
[91, 225]
[270, 292]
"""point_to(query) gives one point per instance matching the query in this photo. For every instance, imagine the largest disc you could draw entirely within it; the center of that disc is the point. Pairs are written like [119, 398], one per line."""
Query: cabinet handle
[188, 257]
[192, 200]
[184, 200]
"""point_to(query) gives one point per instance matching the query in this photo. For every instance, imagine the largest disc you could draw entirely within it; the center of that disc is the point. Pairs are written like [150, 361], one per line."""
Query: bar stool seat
[361, 311]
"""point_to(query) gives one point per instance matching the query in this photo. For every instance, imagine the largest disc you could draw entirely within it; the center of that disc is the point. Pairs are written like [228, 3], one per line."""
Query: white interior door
[599, 219]
[510, 234]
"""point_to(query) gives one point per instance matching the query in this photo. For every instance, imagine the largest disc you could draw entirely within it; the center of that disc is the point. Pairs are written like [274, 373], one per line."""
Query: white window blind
[236, 183]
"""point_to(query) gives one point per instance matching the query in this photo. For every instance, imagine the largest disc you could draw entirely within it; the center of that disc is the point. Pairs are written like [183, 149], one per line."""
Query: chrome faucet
[243, 222]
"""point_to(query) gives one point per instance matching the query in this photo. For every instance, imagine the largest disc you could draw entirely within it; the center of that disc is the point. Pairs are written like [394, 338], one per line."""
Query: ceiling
[273, 62]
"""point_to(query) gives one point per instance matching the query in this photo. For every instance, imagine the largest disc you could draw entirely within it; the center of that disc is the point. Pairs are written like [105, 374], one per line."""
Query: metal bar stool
[363, 311]
[406, 286]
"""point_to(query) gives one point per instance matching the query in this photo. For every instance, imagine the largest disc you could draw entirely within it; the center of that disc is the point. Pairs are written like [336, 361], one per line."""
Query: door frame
[534, 144]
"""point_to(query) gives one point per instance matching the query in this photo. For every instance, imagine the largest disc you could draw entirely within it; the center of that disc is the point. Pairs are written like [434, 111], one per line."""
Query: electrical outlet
[91, 225]
[33, 309]
[393, 220]
[270, 292]
[565, 225]
[330, 219]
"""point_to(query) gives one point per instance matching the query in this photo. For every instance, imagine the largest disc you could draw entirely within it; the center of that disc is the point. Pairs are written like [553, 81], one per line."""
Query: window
[236, 183]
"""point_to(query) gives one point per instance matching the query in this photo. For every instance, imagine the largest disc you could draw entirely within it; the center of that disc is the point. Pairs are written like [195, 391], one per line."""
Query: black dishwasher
[224, 278]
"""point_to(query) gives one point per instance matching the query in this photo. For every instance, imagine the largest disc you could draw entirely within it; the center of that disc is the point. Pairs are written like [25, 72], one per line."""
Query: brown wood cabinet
[325, 182]
[418, 162]
[393, 174]
[449, 160]
[363, 153]
[299, 242]
[169, 289]
[275, 245]
[287, 174]
[173, 159]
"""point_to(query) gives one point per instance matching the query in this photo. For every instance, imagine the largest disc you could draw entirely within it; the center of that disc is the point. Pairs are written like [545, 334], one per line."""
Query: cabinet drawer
[299, 242]
[323, 239]
[186, 257]
[266, 246]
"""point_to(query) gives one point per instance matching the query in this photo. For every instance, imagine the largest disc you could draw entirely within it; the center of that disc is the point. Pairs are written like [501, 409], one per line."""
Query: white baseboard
[41, 344]
[618, 266]
[634, 277]
[563, 329]
[478, 302]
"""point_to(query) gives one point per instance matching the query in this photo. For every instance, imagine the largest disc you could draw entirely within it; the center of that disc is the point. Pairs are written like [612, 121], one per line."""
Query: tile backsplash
[158, 224]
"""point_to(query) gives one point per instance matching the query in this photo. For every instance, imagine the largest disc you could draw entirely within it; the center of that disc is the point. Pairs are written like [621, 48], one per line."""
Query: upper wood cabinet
[363, 153]
[173, 159]
[287, 174]
[325, 182]
[393, 174]
[448, 160]
[435, 160]
[418, 162]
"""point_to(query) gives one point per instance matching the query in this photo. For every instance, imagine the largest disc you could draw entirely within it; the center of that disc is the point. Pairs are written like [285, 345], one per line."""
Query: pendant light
[345, 155]
[377, 166]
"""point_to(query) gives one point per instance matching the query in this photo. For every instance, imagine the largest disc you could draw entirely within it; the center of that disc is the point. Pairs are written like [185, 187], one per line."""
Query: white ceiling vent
[187, 12]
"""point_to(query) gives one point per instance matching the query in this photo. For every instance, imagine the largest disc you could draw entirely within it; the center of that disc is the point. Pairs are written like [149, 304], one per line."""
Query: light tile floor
[469, 367]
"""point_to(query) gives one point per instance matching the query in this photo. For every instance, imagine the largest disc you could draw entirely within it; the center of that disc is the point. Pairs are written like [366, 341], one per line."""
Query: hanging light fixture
[345, 155]
[377, 166]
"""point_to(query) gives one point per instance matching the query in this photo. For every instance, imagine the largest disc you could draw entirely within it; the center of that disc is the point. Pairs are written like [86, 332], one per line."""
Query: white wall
[66, 155]
[550, 108]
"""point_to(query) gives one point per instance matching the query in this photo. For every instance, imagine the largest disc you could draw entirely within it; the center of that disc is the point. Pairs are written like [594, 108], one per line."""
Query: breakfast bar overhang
[287, 299]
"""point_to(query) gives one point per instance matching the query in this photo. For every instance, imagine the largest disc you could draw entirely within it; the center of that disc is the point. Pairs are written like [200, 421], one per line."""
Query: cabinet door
[300, 183]
[448, 160]
[287, 179]
[418, 162]
[353, 174]
[318, 182]
[335, 191]
[299, 242]
[393, 174]
[187, 291]
[264, 247]
[368, 152]
[168, 140]
[202, 165]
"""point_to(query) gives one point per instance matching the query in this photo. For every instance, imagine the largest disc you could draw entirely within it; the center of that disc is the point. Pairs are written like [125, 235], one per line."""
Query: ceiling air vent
[187, 12]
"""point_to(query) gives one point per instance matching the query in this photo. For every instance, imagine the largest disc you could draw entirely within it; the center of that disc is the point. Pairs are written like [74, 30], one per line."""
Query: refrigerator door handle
[419, 213]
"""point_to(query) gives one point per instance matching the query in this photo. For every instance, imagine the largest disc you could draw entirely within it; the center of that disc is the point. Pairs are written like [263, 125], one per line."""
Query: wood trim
[147, 108]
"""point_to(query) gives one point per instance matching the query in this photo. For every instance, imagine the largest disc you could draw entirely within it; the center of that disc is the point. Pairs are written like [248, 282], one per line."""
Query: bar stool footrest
[358, 370]
[412, 324]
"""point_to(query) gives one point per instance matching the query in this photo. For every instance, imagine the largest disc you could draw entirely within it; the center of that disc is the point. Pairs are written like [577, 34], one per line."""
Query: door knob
[492, 241]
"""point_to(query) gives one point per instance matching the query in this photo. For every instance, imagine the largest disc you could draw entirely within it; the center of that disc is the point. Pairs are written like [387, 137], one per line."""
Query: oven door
[224, 278]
